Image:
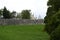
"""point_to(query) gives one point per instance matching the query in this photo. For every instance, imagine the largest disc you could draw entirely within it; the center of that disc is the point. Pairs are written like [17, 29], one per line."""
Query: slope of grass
[23, 32]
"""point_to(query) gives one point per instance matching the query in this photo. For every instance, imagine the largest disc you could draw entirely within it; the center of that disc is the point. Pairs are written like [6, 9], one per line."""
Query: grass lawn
[23, 32]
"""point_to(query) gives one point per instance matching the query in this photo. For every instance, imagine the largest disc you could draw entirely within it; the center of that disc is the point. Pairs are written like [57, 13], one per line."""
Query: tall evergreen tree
[0, 12]
[6, 13]
[53, 8]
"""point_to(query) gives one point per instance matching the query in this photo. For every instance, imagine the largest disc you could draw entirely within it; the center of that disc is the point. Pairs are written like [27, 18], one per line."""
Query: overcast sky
[37, 7]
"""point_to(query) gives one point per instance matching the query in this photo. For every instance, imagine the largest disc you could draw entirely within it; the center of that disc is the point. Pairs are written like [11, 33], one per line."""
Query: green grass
[23, 32]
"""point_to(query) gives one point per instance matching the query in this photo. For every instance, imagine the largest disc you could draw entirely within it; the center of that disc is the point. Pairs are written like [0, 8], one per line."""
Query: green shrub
[55, 35]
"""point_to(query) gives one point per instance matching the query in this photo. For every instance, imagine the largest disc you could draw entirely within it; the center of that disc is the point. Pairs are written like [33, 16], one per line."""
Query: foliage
[0, 12]
[25, 14]
[55, 4]
[50, 21]
[55, 35]
[6, 13]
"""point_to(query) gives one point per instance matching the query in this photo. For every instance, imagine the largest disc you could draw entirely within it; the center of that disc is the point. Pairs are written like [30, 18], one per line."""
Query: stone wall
[20, 21]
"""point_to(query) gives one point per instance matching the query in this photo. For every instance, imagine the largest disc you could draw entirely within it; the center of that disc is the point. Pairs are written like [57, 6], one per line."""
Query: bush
[55, 35]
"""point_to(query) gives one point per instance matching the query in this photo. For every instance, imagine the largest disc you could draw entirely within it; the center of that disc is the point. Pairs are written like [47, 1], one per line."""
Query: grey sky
[38, 7]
